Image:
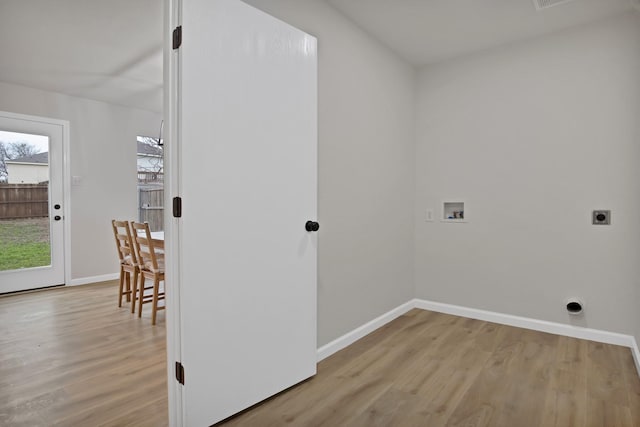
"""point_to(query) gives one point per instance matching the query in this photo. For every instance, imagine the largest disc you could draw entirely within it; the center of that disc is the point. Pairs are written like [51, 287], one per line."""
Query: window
[150, 161]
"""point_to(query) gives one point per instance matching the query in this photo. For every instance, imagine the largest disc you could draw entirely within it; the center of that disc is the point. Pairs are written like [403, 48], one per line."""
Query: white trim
[94, 279]
[171, 96]
[353, 336]
[636, 354]
[489, 316]
[528, 323]
[66, 189]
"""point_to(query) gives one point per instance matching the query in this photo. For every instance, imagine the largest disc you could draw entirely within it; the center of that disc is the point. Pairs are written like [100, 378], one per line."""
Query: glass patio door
[31, 203]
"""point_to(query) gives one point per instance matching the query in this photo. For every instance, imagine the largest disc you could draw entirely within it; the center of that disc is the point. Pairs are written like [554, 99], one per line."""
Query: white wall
[366, 146]
[103, 154]
[532, 137]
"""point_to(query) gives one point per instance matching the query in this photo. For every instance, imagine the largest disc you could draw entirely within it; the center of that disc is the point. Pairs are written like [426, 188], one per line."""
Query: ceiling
[108, 50]
[111, 50]
[428, 31]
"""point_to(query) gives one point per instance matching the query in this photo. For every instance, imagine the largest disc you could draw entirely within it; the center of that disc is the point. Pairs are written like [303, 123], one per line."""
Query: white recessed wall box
[453, 212]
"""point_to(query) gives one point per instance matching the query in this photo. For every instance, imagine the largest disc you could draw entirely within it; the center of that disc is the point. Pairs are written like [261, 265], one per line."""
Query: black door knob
[56, 206]
[57, 217]
[311, 226]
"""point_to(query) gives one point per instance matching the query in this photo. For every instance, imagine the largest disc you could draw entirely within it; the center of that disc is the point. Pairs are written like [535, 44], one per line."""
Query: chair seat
[148, 266]
[128, 260]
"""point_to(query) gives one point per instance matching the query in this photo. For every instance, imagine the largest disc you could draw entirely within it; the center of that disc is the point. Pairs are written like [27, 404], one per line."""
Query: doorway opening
[150, 165]
[33, 239]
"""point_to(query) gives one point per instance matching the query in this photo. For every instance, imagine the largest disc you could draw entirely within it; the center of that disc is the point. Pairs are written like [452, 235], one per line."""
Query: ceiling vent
[544, 4]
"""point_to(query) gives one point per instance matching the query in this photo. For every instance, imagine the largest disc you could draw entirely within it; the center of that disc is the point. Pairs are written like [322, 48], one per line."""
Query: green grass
[24, 243]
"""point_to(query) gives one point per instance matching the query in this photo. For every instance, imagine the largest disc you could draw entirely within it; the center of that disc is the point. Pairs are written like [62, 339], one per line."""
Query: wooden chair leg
[120, 289]
[134, 291]
[141, 295]
[128, 287]
[156, 289]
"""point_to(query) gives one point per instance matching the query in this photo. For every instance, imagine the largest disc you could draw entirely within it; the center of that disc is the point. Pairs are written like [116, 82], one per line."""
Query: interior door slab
[248, 179]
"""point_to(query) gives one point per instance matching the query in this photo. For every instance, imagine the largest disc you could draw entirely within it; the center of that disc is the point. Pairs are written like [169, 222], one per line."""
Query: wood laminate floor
[70, 357]
[431, 369]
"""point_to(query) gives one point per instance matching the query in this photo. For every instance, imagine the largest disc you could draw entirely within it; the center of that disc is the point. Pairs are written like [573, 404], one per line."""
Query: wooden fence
[24, 201]
[148, 177]
[151, 207]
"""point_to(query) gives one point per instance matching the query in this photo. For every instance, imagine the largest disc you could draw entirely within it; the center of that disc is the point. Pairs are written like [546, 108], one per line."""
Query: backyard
[24, 243]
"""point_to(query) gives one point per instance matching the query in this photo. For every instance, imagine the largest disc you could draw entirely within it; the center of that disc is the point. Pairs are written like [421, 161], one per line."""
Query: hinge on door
[180, 373]
[177, 207]
[177, 37]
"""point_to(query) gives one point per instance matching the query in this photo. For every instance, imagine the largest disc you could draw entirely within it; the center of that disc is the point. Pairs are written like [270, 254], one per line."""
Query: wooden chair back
[146, 248]
[124, 242]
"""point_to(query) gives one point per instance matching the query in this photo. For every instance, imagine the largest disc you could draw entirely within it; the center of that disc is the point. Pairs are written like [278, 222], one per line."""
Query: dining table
[158, 239]
[157, 235]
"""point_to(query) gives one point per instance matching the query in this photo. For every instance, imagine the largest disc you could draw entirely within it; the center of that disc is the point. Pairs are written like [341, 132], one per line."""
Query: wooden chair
[128, 261]
[151, 267]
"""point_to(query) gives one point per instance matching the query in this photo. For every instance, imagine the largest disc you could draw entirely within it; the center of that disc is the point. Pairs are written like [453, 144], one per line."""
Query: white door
[31, 203]
[247, 149]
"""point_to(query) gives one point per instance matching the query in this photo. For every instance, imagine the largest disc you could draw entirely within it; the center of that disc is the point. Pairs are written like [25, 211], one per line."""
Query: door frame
[171, 75]
[66, 182]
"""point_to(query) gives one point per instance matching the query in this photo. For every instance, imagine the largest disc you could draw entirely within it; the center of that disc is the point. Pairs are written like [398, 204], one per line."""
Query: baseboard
[353, 336]
[636, 354]
[528, 323]
[94, 279]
